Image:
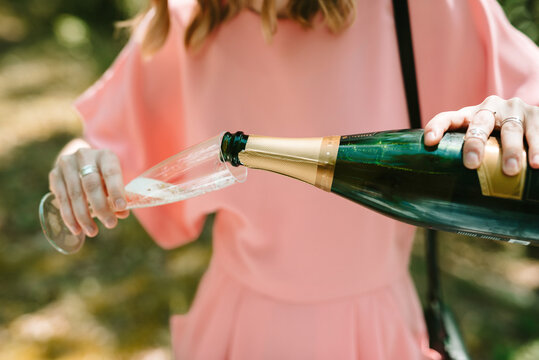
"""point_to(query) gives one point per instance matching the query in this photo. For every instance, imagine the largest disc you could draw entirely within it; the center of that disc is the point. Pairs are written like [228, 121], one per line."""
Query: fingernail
[431, 135]
[535, 160]
[511, 166]
[120, 204]
[110, 222]
[471, 159]
[76, 230]
[91, 231]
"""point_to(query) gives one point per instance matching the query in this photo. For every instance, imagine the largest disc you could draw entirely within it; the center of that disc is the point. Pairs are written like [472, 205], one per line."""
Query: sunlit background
[114, 298]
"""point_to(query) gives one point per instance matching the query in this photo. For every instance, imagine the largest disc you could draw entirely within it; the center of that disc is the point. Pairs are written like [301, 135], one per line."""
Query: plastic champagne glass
[195, 171]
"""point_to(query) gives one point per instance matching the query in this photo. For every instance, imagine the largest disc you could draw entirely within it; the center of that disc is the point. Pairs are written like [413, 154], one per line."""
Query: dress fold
[228, 320]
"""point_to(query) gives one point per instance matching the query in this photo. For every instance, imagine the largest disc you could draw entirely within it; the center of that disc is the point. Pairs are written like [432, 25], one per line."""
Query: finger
[443, 122]
[93, 189]
[481, 125]
[512, 137]
[532, 137]
[122, 214]
[76, 195]
[112, 175]
[58, 188]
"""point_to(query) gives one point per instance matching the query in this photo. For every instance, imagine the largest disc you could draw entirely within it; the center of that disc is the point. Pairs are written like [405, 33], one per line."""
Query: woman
[296, 273]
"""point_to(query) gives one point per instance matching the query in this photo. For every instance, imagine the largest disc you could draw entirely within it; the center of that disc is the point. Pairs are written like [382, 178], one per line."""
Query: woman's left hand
[513, 117]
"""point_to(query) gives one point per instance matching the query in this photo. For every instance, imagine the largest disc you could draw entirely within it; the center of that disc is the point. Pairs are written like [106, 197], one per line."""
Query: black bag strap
[406, 53]
[444, 335]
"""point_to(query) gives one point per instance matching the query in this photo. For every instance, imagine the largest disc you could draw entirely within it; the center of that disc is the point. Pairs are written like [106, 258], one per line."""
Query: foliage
[524, 14]
[125, 280]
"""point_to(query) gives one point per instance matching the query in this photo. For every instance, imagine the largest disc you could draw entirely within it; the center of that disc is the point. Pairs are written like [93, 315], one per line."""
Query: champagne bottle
[394, 173]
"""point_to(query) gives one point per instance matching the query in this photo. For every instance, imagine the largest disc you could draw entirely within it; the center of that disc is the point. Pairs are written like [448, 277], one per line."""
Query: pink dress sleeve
[512, 58]
[467, 50]
[135, 109]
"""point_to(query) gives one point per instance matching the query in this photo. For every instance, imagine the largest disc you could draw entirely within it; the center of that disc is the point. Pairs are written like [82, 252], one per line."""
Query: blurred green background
[113, 299]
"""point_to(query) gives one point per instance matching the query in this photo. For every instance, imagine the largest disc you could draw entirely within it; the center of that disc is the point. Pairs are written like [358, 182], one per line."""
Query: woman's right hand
[102, 190]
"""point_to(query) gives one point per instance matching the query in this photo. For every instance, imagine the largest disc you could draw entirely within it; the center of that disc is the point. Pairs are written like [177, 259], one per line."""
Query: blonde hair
[337, 14]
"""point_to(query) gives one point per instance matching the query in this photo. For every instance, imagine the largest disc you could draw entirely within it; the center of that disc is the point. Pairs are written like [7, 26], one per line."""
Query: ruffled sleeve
[467, 50]
[512, 58]
[135, 109]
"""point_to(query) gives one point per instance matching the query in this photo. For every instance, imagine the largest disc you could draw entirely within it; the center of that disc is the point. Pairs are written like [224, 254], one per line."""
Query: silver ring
[87, 170]
[484, 109]
[476, 133]
[514, 119]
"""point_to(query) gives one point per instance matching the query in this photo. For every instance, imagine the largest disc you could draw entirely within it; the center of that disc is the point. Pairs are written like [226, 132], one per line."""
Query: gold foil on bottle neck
[492, 179]
[311, 160]
[326, 164]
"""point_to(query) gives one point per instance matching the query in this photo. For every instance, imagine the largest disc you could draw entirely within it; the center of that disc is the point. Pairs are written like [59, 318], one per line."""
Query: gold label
[326, 162]
[492, 179]
[294, 157]
[308, 159]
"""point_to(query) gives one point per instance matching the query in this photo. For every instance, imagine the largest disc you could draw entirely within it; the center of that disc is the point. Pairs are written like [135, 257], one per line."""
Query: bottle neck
[231, 145]
[311, 160]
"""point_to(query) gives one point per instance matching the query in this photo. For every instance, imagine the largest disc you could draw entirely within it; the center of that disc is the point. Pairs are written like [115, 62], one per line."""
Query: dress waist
[231, 320]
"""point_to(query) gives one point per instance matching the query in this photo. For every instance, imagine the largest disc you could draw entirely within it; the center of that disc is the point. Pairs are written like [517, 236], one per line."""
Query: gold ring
[87, 170]
[476, 133]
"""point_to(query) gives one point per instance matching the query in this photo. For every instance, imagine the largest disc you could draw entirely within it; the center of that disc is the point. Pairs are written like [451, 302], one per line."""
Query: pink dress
[298, 273]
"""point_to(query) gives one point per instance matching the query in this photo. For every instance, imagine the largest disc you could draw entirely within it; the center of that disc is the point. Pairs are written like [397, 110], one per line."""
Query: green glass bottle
[394, 173]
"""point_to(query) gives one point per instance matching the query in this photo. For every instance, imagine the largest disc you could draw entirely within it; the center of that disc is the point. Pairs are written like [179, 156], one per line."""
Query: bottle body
[395, 174]
[392, 172]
